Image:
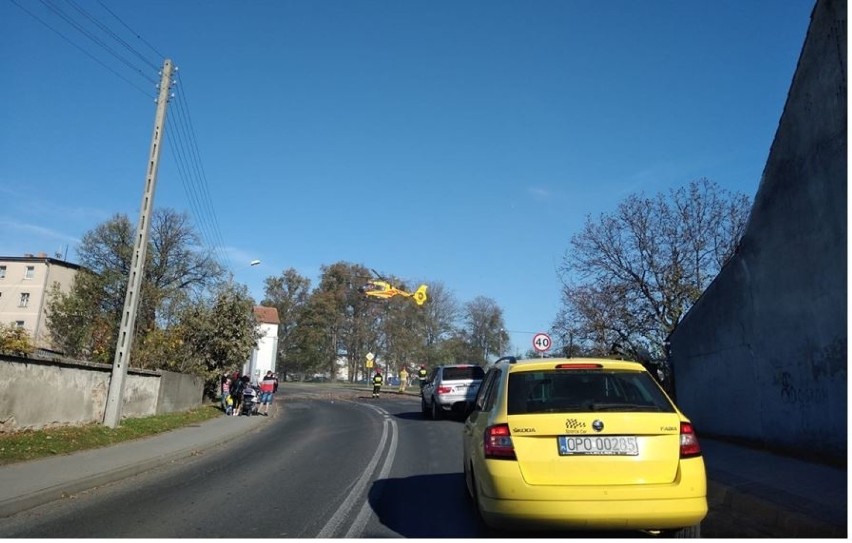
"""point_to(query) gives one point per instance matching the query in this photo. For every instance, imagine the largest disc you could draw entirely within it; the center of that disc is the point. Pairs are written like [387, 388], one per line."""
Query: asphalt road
[332, 463]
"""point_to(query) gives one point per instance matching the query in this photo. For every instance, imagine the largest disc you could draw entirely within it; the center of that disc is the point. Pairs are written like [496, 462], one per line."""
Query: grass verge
[34, 444]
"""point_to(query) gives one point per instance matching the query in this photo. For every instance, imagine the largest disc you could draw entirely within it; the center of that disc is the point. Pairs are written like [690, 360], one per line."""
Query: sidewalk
[766, 495]
[30, 484]
[773, 495]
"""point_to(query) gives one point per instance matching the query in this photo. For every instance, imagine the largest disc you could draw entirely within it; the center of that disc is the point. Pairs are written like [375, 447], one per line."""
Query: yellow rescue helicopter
[379, 288]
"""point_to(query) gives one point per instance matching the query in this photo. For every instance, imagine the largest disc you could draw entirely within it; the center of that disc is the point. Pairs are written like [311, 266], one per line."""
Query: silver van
[450, 389]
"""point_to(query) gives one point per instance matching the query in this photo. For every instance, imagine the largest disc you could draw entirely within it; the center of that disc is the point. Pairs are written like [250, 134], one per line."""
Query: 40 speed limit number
[541, 342]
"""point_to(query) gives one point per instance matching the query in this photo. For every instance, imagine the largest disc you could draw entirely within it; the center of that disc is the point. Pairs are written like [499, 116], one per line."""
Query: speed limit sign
[541, 342]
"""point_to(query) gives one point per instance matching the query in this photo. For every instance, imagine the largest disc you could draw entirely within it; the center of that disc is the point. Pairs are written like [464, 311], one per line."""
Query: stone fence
[40, 392]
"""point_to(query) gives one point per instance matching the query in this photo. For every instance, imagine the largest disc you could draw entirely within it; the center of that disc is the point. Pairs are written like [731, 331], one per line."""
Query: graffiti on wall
[802, 396]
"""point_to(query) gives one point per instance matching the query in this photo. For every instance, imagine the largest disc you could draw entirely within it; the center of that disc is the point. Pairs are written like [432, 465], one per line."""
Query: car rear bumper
[453, 403]
[593, 515]
[507, 501]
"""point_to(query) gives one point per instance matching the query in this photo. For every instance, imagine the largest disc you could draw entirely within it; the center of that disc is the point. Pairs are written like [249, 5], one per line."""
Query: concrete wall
[179, 392]
[762, 356]
[37, 393]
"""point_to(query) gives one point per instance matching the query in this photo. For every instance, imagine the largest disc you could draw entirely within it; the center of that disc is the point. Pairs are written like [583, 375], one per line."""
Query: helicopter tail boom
[420, 295]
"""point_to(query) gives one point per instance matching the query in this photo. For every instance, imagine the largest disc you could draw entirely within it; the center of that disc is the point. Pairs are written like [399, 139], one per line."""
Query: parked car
[450, 389]
[582, 444]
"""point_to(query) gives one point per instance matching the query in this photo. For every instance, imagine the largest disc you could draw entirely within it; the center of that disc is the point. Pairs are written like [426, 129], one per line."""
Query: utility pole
[112, 413]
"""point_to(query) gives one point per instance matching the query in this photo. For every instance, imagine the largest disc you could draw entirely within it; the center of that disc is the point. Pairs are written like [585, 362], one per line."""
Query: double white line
[356, 494]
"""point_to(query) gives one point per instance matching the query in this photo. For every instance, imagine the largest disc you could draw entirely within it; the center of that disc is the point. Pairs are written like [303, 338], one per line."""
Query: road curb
[31, 500]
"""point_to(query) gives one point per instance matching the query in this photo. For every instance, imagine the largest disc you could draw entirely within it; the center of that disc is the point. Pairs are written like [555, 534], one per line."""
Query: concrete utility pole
[112, 413]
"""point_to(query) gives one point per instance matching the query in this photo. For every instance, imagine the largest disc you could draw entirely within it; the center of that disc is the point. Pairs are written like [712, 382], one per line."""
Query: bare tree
[84, 321]
[484, 327]
[440, 316]
[631, 275]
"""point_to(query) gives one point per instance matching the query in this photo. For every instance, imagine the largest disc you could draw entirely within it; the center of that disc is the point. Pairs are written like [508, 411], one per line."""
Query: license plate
[598, 445]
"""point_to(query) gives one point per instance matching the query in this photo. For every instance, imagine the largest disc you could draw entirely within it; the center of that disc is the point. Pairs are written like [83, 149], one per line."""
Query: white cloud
[540, 193]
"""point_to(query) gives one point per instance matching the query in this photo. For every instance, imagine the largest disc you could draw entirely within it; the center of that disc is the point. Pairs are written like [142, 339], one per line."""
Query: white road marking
[349, 502]
[366, 510]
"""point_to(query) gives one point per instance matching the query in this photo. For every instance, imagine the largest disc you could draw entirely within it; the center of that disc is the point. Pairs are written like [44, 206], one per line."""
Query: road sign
[370, 356]
[541, 342]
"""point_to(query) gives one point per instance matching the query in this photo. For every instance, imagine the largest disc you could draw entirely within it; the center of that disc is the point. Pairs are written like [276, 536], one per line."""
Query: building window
[19, 324]
[25, 299]
[30, 273]
[2, 272]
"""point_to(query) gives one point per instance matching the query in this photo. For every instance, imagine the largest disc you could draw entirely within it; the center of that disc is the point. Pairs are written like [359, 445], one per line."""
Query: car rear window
[556, 391]
[465, 372]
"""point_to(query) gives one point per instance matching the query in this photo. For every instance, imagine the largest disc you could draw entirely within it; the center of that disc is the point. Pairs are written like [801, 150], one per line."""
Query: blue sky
[461, 142]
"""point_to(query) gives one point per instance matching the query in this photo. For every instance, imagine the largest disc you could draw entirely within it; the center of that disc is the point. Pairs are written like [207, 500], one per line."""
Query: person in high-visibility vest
[403, 379]
[421, 374]
[377, 383]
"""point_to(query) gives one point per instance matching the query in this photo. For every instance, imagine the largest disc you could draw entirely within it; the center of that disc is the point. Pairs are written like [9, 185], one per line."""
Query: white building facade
[265, 354]
[25, 282]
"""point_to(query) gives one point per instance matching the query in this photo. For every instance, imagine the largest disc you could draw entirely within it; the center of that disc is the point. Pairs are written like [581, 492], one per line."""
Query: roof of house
[266, 315]
[41, 257]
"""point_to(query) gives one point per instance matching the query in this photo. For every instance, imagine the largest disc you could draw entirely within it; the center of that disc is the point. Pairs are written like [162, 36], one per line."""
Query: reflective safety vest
[422, 373]
[377, 379]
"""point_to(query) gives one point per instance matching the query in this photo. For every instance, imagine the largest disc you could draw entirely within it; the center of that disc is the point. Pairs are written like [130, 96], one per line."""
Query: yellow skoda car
[582, 444]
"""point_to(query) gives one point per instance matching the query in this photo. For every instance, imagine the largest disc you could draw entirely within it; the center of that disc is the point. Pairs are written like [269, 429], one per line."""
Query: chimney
[42, 255]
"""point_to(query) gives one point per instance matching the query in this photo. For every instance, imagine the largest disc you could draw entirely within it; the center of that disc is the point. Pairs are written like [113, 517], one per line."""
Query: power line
[131, 30]
[114, 36]
[184, 146]
[68, 19]
[197, 154]
[81, 49]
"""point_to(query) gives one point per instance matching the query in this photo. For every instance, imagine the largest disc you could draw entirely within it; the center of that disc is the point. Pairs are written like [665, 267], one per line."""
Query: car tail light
[498, 442]
[443, 390]
[689, 446]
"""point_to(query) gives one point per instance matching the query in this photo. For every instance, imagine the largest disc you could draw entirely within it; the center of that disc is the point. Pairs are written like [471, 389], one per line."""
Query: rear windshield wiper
[622, 407]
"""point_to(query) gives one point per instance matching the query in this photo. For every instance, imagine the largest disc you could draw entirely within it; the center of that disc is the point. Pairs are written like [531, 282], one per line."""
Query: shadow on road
[425, 505]
[433, 506]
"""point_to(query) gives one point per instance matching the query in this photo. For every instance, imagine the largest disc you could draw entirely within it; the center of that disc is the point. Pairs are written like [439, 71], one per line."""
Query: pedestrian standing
[225, 392]
[403, 379]
[267, 387]
[421, 375]
[237, 388]
[377, 383]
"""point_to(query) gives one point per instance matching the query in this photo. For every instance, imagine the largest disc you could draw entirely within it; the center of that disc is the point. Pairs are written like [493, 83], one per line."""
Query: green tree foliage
[15, 340]
[316, 335]
[288, 293]
[402, 328]
[215, 334]
[631, 275]
[84, 321]
[81, 323]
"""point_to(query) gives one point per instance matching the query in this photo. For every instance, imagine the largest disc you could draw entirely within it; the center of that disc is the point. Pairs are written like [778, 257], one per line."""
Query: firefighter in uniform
[421, 374]
[403, 379]
[377, 383]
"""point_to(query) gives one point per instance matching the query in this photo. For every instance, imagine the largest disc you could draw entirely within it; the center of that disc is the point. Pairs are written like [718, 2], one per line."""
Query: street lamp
[254, 262]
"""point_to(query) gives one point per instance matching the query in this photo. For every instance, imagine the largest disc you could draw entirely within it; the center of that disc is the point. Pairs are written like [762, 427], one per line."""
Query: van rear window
[467, 372]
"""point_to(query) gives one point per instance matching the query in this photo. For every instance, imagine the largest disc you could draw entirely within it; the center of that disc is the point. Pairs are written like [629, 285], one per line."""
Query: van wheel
[436, 410]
